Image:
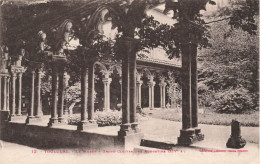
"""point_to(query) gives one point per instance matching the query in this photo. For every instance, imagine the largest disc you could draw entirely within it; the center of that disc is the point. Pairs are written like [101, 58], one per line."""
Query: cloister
[127, 15]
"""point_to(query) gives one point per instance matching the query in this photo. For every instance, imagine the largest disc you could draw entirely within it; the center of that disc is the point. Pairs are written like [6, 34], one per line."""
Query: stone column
[194, 95]
[1, 92]
[4, 89]
[162, 92]
[8, 94]
[58, 62]
[106, 82]
[19, 110]
[87, 96]
[84, 93]
[12, 113]
[188, 46]
[31, 114]
[91, 92]
[66, 81]
[38, 93]
[139, 92]
[151, 84]
[55, 86]
[61, 96]
[128, 49]
[139, 83]
[120, 82]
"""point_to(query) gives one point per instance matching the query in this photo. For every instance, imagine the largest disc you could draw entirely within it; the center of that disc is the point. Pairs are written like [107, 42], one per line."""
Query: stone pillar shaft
[55, 79]
[61, 95]
[162, 94]
[31, 114]
[194, 90]
[38, 93]
[129, 121]
[125, 90]
[120, 82]
[151, 94]
[139, 92]
[8, 94]
[91, 92]
[132, 83]
[84, 93]
[186, 87]
[107, 82]
[19, 110]
[13, 94]
[4, 98]
[1, 92]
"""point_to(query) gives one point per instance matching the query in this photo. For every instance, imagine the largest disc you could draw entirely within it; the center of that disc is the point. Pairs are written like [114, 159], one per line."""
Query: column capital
[151, 83]
[20, 75]
[162, 84]
[107, 80]
[129, 43]
[139, 82]
[138, 76]
[106, 73]
[188, 32]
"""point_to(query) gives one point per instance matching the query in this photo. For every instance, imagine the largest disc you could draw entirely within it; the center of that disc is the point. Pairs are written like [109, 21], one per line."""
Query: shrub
[233, 101]
[205, 95]
[108, 118]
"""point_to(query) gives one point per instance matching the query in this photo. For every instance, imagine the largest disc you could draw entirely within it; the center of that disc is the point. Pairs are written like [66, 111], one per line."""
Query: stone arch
[101, 65]
[115, 67]
[146, 71]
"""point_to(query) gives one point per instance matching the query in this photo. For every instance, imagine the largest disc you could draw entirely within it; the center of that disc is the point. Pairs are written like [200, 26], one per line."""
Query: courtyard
[127, 76]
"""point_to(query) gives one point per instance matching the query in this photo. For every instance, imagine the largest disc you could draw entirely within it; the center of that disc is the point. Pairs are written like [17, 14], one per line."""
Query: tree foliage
[228, 77]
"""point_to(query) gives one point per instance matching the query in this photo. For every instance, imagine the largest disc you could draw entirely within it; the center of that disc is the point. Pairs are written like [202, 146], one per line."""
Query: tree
[229, 69]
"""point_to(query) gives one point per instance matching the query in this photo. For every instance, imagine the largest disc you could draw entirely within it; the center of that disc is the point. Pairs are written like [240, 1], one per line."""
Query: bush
[236, 100]
[103, 118]
[205, 95]
[108, 118]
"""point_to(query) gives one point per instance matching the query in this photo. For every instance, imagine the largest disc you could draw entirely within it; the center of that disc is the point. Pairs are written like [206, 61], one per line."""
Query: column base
[88, 124]
[16, 118]
[129, 136]
[236, 142]
[129, 128]
[135, 128]
[199, 135]
[61, 120]
[33, 119]
[125, 129]
[66, 112]
[187, 137]
[55, 122]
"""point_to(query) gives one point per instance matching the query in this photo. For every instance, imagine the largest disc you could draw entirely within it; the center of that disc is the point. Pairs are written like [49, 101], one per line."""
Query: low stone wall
[45, 137]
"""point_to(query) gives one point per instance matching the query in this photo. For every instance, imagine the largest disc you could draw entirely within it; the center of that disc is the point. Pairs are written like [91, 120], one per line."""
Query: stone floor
[154, 129]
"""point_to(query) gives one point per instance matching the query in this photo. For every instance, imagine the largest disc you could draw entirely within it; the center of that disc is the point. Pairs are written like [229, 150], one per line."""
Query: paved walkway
[154, 129]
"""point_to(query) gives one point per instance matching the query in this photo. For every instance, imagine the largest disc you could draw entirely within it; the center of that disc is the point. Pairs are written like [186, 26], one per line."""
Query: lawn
[207, 117]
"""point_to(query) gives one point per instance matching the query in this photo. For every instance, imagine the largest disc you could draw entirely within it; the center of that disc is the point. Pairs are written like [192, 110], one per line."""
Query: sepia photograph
[129, 81]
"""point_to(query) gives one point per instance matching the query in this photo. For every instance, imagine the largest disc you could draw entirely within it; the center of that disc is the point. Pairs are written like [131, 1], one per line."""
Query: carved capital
[106, 73]
[17, 69]
[185, 9]
[129, 45]
[107, 80]
[188, 32]
[151, 83]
